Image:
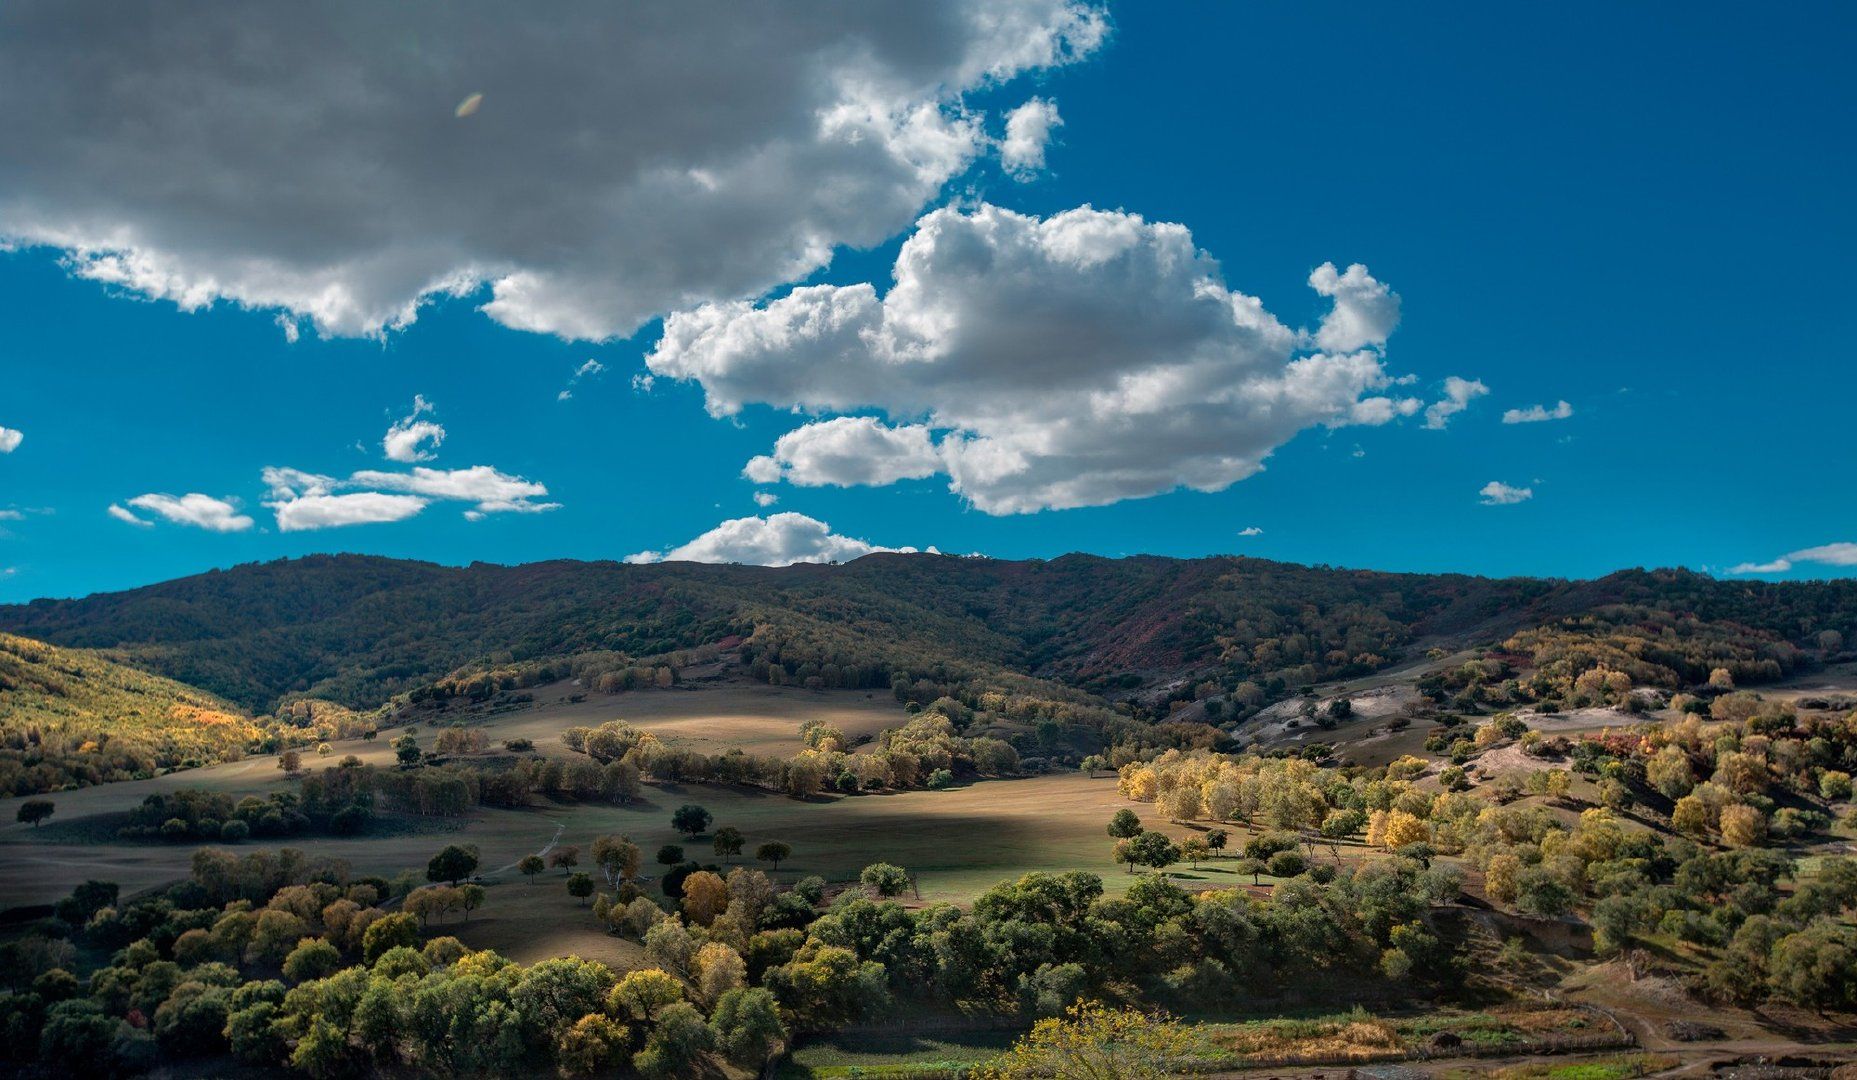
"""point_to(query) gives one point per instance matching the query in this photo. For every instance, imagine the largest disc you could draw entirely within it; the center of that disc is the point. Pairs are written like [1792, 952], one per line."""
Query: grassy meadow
[958, 841]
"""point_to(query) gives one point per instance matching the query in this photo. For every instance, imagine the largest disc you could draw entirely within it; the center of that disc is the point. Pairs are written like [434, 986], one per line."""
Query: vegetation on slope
[358, 630]
[69, 716]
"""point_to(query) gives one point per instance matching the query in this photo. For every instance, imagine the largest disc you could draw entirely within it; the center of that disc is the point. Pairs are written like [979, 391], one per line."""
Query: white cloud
[1250, 530]
[584, 371]
[595, 168]
[406, 441]
[193, 508]
[122, 514]
[1365, 310]
[848, 451]
[333, 511]
[492, 491]
[1075, 360]
[1839, 554]
[765, 499]
[305, 500]
[1458, 394]
[1497, 493]
[10, 438]
[1535, 414]
[775, 540]
[1843, 553]
[1028, 132]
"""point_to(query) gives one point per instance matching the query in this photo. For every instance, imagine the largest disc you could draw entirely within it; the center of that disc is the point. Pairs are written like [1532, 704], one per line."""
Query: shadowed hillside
[358, 629]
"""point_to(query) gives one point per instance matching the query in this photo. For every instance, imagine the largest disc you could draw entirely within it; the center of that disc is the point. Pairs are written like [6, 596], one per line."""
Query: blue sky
[1637, 211]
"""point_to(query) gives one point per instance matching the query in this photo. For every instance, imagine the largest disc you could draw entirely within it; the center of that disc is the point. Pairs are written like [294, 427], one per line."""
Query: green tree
[406, 750]
[590, 1046]
[728, 842]
[678, 1039]
[313, 958]
[470, 898]
[644, 993]
[1286, 864]
[33, 811]
[747, 1026]
[388, 932]
[551, 995]
[773, 852]
[1153, 849]
[670, 854]
[885, 880]
[1125, 825]
[1538, 892]
[580, 886]
[617, 857]
[530, 866]
[455, 863]
[690, 820]
[1817, 967]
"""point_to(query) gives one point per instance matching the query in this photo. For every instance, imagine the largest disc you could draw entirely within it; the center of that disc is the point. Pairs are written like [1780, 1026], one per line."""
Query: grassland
[958, 841]
[752, 717]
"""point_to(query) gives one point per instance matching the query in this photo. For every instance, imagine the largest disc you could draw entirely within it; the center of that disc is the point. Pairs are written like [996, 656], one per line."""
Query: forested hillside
[70, 716]
[358, 629]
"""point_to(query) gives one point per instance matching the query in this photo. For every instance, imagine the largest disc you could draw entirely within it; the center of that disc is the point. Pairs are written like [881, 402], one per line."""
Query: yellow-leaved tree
[1094, 1042]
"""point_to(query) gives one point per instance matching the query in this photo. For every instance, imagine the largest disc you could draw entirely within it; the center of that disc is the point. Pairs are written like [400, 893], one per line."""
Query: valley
[1559, 812]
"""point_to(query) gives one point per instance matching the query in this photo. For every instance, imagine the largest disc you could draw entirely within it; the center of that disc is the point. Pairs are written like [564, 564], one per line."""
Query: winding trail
[546, 848]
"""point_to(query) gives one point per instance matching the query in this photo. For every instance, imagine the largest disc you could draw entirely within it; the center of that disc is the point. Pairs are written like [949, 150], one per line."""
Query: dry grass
[1337, 1039]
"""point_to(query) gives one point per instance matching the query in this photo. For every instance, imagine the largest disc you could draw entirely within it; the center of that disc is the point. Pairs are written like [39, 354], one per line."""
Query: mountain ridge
[359, 629]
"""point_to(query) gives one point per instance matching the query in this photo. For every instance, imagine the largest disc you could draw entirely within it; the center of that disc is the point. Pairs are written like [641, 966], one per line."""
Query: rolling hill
[88, 719]
[359, 629]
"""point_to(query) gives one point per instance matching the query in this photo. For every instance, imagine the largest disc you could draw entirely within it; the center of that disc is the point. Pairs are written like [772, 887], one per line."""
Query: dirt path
[546, 848]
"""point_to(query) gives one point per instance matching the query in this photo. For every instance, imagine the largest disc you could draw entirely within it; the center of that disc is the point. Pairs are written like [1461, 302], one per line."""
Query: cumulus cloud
[775, 540]
[848, 451]
[1535, 414]
[308, 512]
[1842, 553]
[1458, 394]
[305, 500]
[1068, 361]
[1365, 310]
[200, 511]
[1497, 493]
[584, 371]
[765, 499]
[10, 438]
[412, 439]
[1250, 530]
[595, 168]
[1028, 132]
